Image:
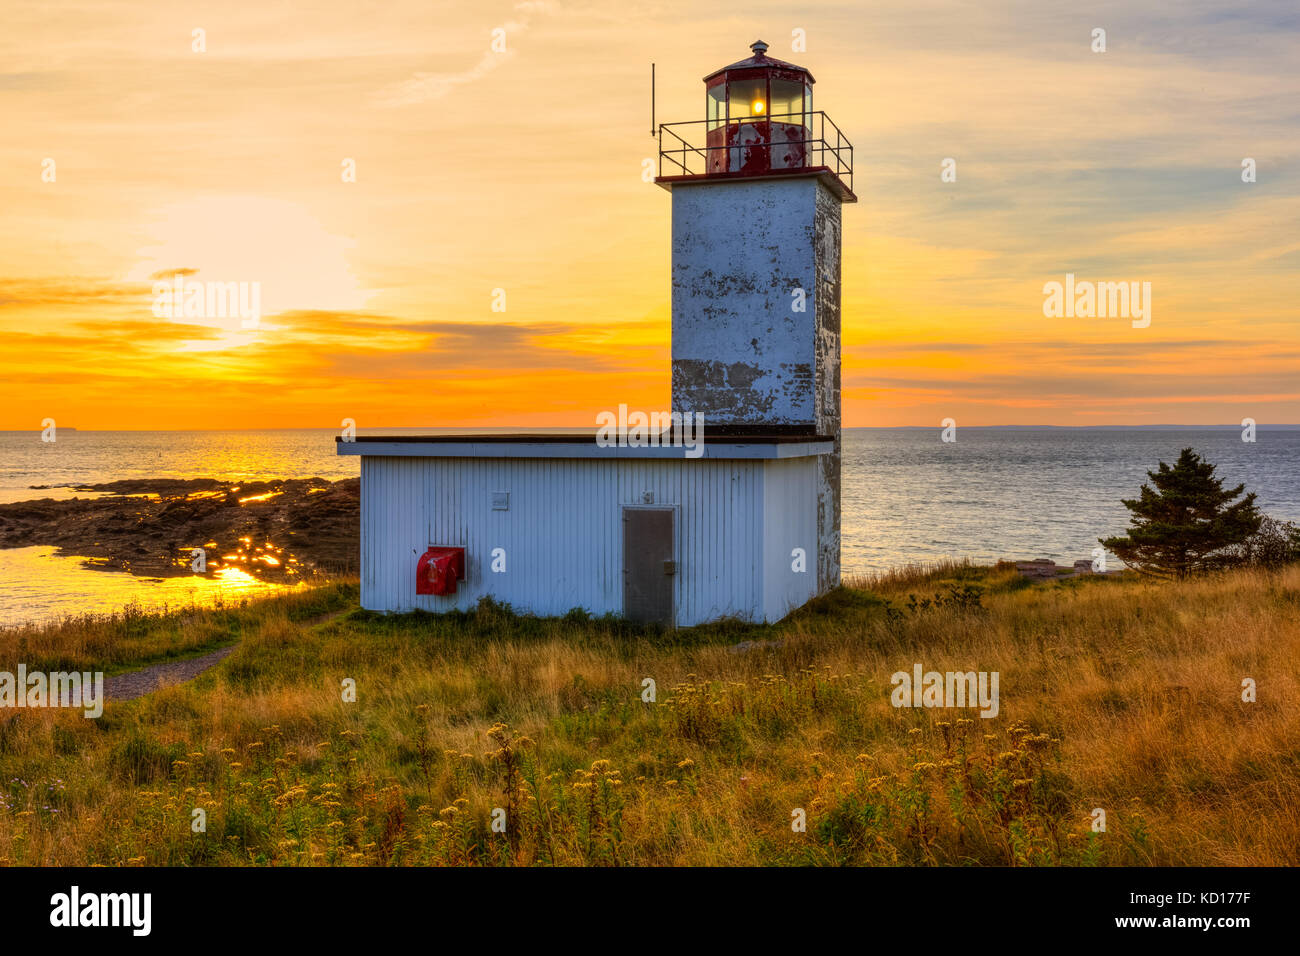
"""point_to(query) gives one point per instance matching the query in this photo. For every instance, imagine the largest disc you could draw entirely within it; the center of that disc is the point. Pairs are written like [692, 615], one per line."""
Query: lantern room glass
[717, 106]
[787, 102]
[747, 100]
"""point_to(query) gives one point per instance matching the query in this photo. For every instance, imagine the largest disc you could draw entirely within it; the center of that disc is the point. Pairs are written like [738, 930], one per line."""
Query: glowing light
[757, 107]
[265, 497]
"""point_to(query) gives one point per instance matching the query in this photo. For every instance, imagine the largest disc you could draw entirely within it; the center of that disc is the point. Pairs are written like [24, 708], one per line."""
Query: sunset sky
[521, 170]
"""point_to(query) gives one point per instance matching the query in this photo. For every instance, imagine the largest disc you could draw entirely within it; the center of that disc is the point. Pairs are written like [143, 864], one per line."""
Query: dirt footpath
[138, 683]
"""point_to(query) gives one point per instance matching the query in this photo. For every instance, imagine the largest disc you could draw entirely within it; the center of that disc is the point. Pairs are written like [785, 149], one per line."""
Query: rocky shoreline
[1048, 570]
[277, 530]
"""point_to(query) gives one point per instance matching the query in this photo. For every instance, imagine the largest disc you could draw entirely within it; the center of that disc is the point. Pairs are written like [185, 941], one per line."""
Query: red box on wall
[439, 570]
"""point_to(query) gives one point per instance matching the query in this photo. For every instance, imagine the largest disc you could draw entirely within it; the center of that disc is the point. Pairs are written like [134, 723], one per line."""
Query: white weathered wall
[826, 330]
[563, 532]
[789, 521]
[740, 354]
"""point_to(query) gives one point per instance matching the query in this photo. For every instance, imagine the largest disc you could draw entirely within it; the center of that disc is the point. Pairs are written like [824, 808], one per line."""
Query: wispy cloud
[426, 86]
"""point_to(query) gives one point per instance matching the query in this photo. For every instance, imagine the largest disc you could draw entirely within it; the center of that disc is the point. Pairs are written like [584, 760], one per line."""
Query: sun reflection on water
[44, 585]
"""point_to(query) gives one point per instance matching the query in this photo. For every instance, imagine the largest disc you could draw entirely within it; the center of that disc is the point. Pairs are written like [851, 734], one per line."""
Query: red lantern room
[759, 115]
[759, 121]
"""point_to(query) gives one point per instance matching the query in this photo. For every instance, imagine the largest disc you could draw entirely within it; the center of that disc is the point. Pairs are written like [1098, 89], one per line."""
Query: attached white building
[749, 529]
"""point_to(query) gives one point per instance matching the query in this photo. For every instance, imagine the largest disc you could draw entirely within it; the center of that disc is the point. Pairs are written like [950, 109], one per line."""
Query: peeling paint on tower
[826, 240]
[746, 257]
[741, 352]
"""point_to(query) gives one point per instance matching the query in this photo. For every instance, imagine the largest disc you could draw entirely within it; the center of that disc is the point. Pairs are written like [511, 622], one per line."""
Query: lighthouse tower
[757, 188]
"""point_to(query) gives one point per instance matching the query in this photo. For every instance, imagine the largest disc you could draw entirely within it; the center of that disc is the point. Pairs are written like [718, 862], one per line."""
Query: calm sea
[994, 493]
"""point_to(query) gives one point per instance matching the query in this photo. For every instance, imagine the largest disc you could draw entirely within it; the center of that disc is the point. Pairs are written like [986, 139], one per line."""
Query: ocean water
[907, 496]
[1029, 493]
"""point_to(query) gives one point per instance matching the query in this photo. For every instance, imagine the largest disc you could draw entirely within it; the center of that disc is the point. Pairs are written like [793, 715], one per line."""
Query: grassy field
[1114, 694]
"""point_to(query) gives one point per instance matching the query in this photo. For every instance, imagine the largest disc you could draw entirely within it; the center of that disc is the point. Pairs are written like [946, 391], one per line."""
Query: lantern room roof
[760, 60]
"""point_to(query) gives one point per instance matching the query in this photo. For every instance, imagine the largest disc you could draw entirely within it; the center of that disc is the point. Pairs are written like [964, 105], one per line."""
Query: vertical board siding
[789, 522]
[563, 532]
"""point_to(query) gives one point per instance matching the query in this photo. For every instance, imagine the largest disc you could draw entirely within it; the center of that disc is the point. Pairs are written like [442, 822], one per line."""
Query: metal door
[648, 565]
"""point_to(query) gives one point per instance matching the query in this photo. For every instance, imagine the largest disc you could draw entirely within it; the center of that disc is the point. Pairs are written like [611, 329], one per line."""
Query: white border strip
[582, 449]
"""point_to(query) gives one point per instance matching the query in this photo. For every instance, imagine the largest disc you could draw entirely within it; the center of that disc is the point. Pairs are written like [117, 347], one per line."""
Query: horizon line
[556, 428]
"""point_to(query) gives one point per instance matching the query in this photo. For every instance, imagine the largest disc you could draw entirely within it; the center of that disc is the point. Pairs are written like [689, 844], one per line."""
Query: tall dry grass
[1114, 694]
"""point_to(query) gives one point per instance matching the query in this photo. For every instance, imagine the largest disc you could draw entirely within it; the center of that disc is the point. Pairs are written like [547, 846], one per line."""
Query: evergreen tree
[1188, 523]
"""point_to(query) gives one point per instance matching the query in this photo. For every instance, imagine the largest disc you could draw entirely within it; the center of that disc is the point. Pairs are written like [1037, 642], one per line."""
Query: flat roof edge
[824, 173]
[784, 448]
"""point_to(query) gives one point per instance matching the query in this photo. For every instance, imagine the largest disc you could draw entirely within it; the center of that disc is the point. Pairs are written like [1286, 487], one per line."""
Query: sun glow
[298, 264]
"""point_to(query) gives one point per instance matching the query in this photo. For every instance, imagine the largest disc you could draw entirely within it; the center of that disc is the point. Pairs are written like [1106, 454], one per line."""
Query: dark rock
[314, 521]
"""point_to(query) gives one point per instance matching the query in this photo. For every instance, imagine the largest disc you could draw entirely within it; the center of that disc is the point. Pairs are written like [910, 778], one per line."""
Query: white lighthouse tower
[756, 265]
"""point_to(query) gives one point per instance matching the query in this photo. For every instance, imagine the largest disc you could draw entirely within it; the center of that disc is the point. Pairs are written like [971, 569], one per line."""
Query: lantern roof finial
[759, 60]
